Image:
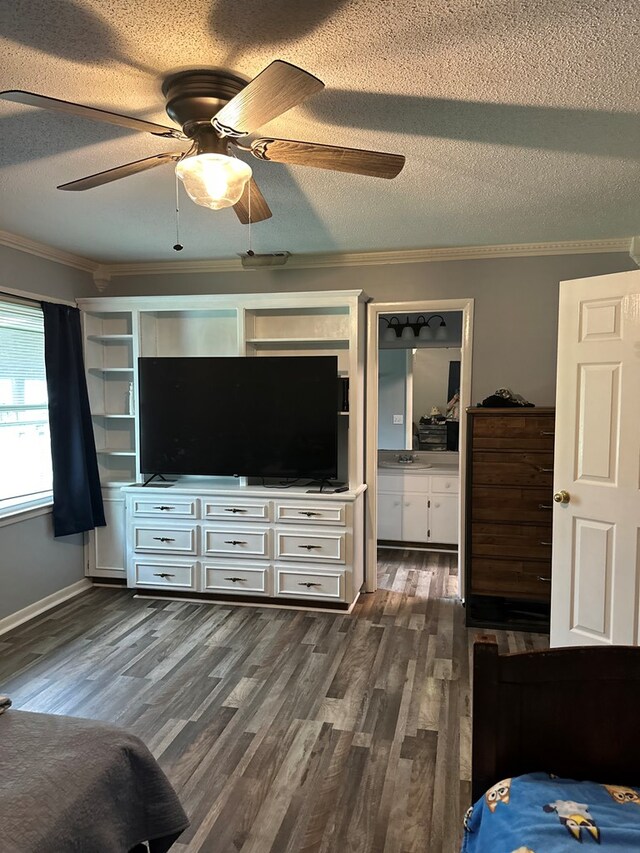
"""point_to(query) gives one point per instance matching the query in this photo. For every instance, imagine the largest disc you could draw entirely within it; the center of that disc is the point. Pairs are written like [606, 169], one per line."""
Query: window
[25, 448]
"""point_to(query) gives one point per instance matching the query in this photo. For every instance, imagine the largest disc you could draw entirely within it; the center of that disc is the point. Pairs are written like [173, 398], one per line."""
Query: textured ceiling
[520, 121]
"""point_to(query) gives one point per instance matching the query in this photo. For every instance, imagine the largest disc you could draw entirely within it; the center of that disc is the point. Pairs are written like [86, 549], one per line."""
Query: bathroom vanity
[418, 503]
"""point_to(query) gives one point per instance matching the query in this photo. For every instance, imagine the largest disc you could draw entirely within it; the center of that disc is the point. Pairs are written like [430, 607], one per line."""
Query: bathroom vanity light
[420, 329]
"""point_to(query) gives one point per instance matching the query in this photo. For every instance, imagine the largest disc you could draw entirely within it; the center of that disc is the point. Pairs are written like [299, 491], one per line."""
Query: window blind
[25, 449]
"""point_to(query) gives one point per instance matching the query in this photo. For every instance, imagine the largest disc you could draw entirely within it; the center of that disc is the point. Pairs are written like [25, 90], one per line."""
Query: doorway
[406, 313]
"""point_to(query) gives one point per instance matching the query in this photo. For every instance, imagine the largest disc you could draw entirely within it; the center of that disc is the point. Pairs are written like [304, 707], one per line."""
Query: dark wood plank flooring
[283, 731]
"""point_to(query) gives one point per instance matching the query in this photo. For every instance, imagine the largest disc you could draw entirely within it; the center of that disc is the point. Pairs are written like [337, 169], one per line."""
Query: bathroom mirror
[412, 382]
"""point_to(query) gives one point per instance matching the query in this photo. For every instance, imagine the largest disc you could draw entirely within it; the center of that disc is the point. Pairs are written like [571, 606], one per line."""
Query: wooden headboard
[574, 712]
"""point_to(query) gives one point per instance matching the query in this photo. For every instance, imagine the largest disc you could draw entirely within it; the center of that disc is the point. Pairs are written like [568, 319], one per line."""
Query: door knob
[562, 497]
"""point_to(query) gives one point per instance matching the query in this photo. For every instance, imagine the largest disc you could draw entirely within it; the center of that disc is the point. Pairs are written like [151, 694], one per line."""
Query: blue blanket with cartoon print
[539, 813]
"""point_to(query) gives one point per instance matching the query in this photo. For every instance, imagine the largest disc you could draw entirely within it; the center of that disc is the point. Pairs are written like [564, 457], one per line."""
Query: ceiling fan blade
[274, 91]
[356, 160]
[31, 99]
[259, 207]
[118, 172]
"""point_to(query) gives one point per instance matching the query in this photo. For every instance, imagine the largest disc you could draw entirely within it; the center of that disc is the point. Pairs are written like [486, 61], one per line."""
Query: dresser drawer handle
[546, 580]
[235, 509]
[234, 542]
[309, 547]
[234, 580]
[546, 432]
[163, 575]
[544, 543]
[163, 539]
[545, 506]
[308, 513]
[544, 470]
[164, 507]
[308, 584]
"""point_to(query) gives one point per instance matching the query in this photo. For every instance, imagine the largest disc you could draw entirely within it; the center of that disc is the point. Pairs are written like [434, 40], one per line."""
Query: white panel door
[443, 519]
[595, 589]
[389, 516]
[415, 517]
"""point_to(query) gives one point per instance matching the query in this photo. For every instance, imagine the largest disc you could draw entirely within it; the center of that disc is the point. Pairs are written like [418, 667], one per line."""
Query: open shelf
[109, 415]
[98, 371]
[299, 343]
[110, 451]
[105, 339]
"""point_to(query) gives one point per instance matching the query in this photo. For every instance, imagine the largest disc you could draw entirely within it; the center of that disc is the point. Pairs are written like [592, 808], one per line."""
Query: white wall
[32, 563]
[516, 304]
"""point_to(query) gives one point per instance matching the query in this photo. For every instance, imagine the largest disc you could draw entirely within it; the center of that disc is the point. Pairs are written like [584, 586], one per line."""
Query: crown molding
[102, 273]
[407, 256]
[49, 253]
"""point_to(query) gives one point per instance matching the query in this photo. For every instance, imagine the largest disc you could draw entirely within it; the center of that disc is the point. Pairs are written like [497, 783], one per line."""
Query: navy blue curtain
[77, 499]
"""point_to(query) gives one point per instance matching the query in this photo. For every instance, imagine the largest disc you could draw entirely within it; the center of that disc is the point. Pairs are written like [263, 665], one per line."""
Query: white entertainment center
[214, 536]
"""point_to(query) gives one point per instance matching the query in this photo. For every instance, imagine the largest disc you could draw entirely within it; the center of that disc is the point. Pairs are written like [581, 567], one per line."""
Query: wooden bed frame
[574, 712]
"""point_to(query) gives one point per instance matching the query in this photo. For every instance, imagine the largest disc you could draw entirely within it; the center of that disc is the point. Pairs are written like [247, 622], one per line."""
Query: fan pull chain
[178, 245]
[250, 252]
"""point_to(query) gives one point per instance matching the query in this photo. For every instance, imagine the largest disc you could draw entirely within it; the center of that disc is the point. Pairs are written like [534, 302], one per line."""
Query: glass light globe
[213, 180]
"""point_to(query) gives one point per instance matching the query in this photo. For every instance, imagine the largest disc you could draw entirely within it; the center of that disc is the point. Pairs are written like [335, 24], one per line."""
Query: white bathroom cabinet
[418, 506]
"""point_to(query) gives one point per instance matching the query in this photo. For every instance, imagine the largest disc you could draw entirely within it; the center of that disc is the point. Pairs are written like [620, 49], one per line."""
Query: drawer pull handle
[545, 506]
[235, 509]
[544, 470]
[234, 580]
[164, 507]
[163, 539]
[544, 543]
[309, 547]
[546, 432]
[308, 584]
[307, 512]
[163, 575]
[542, 578]
[234, 542]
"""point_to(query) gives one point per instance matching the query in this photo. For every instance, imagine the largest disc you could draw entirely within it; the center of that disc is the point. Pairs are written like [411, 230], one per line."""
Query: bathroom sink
[409, 465]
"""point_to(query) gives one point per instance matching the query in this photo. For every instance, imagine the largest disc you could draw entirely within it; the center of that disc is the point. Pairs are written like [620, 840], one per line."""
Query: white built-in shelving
[119, 330]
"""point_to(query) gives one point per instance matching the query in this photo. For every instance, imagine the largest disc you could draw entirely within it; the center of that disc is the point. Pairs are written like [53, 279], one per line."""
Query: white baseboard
[32, 610]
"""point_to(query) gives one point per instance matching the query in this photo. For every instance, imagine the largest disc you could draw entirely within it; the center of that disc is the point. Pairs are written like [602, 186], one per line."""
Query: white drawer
[293, 582]
[445, 485]
[236, 541]
[312, 513]
[319, 547]
[237, 579]
[242, 510]
[165, 539]
[175, 575]
[416, 482]
[182, 508]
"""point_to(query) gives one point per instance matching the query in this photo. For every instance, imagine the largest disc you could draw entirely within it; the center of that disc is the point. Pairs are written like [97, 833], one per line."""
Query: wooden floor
[281, 730]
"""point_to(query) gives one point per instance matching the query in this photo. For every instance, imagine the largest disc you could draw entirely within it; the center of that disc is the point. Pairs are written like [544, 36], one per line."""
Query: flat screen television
[254, 417]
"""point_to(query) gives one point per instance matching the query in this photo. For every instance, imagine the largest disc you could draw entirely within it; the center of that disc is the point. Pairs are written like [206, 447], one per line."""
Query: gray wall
[32, 563]
[516, 304]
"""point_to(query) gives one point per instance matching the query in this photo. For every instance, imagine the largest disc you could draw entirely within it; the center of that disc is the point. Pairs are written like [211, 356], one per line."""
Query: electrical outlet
[398, 419]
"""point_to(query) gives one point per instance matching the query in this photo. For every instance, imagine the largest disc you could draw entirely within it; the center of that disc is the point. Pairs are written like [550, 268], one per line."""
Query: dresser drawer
[300, 583]
[307, 513]
[510, 503]
[238, 579]
[236, 541]
[174, 574]
[512, 579]
[512, 468]
[318, 547]
[165, 539]
[445, 485]
[154, 507]
[511, 540]
[242, 510]
[519, 432]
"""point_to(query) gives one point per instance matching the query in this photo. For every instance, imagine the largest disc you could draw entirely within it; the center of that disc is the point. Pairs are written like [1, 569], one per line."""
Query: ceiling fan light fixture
[213, 180]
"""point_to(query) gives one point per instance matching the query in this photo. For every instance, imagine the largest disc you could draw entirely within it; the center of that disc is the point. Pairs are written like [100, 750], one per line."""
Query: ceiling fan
[217, 109]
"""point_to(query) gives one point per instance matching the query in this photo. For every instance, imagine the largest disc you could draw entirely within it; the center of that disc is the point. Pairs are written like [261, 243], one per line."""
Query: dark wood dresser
[509, 517]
